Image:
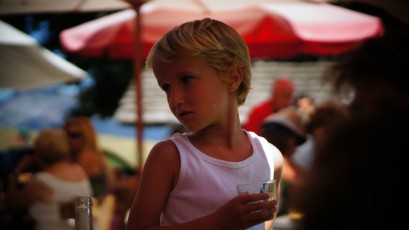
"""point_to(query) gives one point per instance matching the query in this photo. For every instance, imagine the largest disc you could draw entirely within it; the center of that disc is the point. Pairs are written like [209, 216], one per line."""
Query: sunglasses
[74, 135]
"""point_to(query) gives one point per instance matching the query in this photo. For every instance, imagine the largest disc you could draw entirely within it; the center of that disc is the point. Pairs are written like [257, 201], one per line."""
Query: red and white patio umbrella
[271, 29]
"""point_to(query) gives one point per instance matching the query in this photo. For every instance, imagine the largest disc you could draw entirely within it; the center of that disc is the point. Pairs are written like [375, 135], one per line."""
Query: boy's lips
[184, 115]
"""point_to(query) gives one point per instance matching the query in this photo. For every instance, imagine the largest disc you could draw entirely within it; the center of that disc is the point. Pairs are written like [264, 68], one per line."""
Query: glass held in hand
[83, 213]
[268, 187]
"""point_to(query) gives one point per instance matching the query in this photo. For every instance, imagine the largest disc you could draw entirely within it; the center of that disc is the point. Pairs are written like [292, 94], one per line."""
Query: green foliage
[111, 80]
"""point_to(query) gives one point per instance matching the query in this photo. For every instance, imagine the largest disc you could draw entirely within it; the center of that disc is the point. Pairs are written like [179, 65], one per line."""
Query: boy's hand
[246, 210]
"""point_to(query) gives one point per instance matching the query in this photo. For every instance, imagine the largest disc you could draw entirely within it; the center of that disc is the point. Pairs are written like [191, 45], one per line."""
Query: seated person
[85, 151]
[58, 183]
[327, 116]
[284, 130]
[282, 91]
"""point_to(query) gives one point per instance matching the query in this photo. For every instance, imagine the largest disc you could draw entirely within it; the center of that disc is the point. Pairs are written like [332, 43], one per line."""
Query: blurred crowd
[63, 164]
[335, 152]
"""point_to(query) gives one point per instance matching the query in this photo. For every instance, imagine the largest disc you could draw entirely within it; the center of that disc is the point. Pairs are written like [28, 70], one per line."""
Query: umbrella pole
[136, 4]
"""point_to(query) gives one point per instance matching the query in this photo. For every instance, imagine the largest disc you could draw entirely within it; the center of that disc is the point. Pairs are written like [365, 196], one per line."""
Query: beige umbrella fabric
[24, 64]
[58, 6]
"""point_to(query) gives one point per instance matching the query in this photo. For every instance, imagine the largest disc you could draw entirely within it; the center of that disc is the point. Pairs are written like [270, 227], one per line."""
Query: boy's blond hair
[224, 48]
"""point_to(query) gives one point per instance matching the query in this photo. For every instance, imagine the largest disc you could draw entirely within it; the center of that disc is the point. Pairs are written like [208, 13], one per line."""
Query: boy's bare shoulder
[164, 150]
[163, 161]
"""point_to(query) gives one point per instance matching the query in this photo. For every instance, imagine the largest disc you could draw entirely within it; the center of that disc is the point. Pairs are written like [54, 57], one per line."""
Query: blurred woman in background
[86, 152]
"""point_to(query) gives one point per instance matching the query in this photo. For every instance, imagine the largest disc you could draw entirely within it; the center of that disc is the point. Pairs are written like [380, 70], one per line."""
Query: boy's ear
[234, 79]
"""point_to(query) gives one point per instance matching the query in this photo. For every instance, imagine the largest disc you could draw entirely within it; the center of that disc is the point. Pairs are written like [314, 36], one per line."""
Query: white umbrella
[58, 6]
[25, 64]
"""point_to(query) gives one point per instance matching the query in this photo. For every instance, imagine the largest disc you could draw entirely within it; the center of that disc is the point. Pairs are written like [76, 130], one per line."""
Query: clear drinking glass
[268, 187]
[83, 213]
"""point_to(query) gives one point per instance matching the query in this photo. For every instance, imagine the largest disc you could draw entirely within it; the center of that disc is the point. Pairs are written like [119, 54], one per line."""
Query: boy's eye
[186, 79]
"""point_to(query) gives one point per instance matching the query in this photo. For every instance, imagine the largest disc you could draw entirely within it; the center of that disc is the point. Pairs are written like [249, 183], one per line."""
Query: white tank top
[47, 214]
[206, 183]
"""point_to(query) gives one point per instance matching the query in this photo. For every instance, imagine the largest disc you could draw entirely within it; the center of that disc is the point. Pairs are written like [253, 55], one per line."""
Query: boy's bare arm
[158, 178]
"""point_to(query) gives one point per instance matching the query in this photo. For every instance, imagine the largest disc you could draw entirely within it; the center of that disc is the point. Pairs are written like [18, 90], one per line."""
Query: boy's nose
[176, 98]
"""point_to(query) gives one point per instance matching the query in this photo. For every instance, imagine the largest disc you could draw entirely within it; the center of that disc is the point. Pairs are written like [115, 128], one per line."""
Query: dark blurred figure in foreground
[327, 116]
[377, 73]
[357, 180]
